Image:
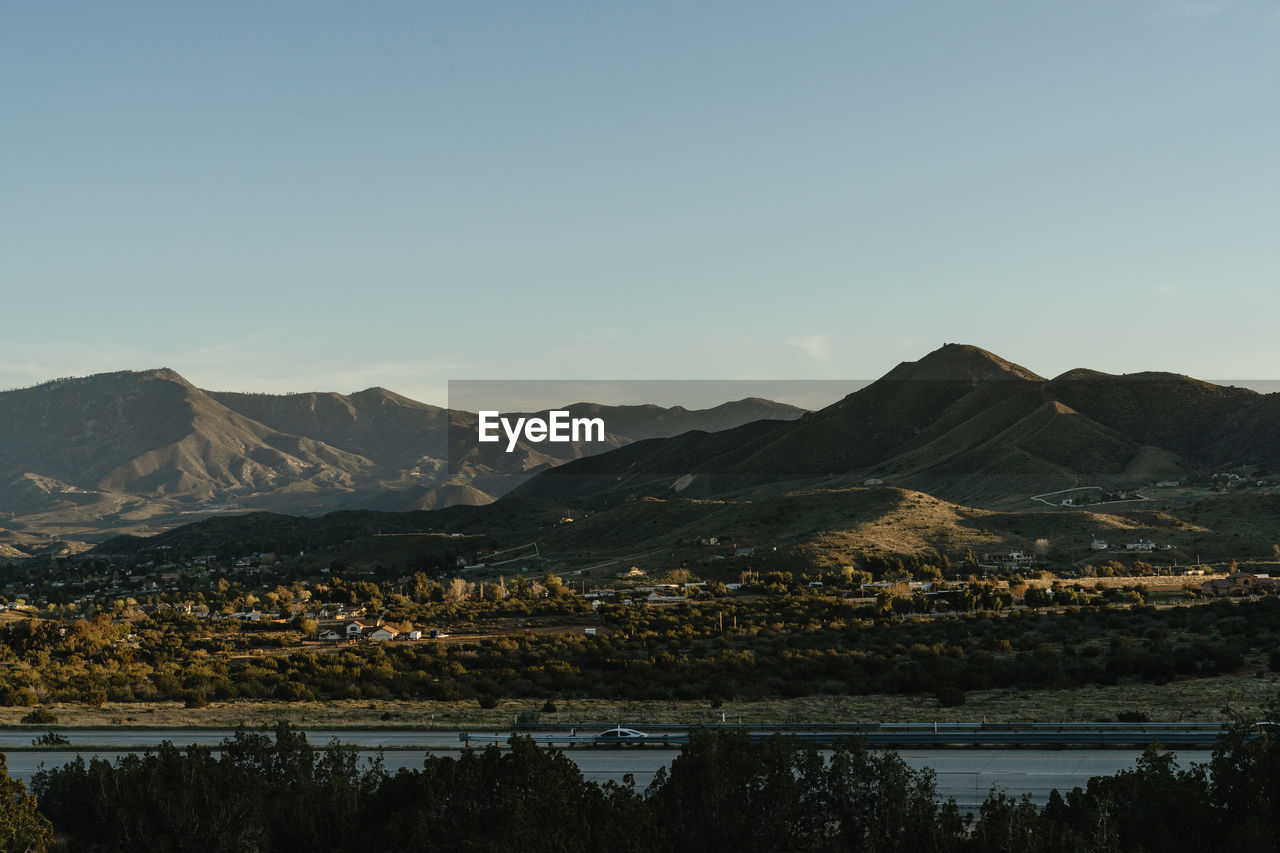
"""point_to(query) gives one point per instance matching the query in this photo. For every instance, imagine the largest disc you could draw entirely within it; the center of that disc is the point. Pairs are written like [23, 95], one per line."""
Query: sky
[294, 196]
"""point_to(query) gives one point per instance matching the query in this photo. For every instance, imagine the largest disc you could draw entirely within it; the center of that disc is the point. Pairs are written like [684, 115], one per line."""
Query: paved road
[965, 774]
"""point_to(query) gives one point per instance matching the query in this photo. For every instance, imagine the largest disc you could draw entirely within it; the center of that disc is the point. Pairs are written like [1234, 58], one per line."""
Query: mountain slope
[960, 423]
[153, 433]
[140, 451]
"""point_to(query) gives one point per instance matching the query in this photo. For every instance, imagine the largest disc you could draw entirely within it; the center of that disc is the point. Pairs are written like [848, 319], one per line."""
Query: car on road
[619, 735]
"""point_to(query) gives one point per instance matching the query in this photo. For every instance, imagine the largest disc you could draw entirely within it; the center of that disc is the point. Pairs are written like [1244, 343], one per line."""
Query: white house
[330, 635]
[382, 633]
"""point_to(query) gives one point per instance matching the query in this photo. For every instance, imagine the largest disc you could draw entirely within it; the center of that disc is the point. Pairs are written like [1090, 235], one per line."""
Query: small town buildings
[1011, 560]
[357, 628]
[1240, 583]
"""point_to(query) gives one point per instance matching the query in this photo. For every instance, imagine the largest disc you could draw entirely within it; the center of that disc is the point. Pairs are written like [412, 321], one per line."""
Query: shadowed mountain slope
[960, 423]
[140, 451]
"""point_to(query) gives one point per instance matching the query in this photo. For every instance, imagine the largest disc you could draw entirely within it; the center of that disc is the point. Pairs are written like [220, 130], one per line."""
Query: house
[356, 628]
[330, 635]
[1013, 559]
[744, 551]
[382, 633]
[1144, 545]
[1167, 484]
[1240, 583]
[1098, 545]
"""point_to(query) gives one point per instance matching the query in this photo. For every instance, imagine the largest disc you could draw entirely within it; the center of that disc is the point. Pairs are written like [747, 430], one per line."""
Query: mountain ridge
[137, 451]
[963, 424]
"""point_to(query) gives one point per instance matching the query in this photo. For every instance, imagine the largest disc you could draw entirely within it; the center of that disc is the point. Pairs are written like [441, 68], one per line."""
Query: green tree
[23, 829]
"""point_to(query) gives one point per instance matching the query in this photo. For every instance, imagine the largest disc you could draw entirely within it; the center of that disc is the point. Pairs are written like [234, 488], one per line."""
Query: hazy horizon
[535, 395]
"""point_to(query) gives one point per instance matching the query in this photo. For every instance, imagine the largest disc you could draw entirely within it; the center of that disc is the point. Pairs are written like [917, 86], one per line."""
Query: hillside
[964, 425]
[139, 452]
[817, 529]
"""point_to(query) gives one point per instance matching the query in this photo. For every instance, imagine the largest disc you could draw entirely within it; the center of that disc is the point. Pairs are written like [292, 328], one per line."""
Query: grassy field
[1204, 699]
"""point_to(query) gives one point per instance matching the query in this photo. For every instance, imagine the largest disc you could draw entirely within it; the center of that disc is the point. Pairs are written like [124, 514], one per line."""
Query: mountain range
[961, 424]
[137, 452]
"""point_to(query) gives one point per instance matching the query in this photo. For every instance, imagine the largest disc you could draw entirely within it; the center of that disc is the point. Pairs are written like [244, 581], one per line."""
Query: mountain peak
[165, 374]
[962, 362]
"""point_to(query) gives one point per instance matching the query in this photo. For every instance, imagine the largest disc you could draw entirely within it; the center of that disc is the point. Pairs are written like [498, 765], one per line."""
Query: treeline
[786, 646]
[722, 793]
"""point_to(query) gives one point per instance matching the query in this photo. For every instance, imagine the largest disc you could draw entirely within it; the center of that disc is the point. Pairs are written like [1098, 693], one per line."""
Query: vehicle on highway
[619, 735]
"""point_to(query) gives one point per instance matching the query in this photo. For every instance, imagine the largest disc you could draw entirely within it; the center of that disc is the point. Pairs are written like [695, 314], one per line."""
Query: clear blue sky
[295, 196]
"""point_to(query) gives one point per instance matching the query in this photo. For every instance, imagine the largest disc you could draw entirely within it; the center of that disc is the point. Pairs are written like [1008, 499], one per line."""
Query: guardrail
[899, 735]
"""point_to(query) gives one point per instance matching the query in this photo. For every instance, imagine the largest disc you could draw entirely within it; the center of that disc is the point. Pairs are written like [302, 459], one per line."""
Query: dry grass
[1203, 699]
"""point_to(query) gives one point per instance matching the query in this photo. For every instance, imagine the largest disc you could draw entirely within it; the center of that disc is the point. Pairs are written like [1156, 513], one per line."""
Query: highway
[1021, 763]
[921, 735]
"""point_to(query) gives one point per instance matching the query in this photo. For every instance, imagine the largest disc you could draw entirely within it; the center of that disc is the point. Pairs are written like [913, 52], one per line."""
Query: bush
[194, 699]
[1133, 717]
[40, 716]
[50, 739]
[949, 697]
[488, 702]
[549, 707]
[17, 696]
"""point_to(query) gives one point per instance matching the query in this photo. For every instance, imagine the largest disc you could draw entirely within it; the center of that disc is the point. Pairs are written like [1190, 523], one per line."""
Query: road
[965, 774]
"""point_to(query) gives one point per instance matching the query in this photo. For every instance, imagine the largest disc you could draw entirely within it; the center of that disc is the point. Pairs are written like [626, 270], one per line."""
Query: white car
[620, 735]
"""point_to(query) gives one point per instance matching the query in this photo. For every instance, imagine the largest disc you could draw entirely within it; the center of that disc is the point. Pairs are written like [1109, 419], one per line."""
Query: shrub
[40, 716]
[50, 739]
[194, 699]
